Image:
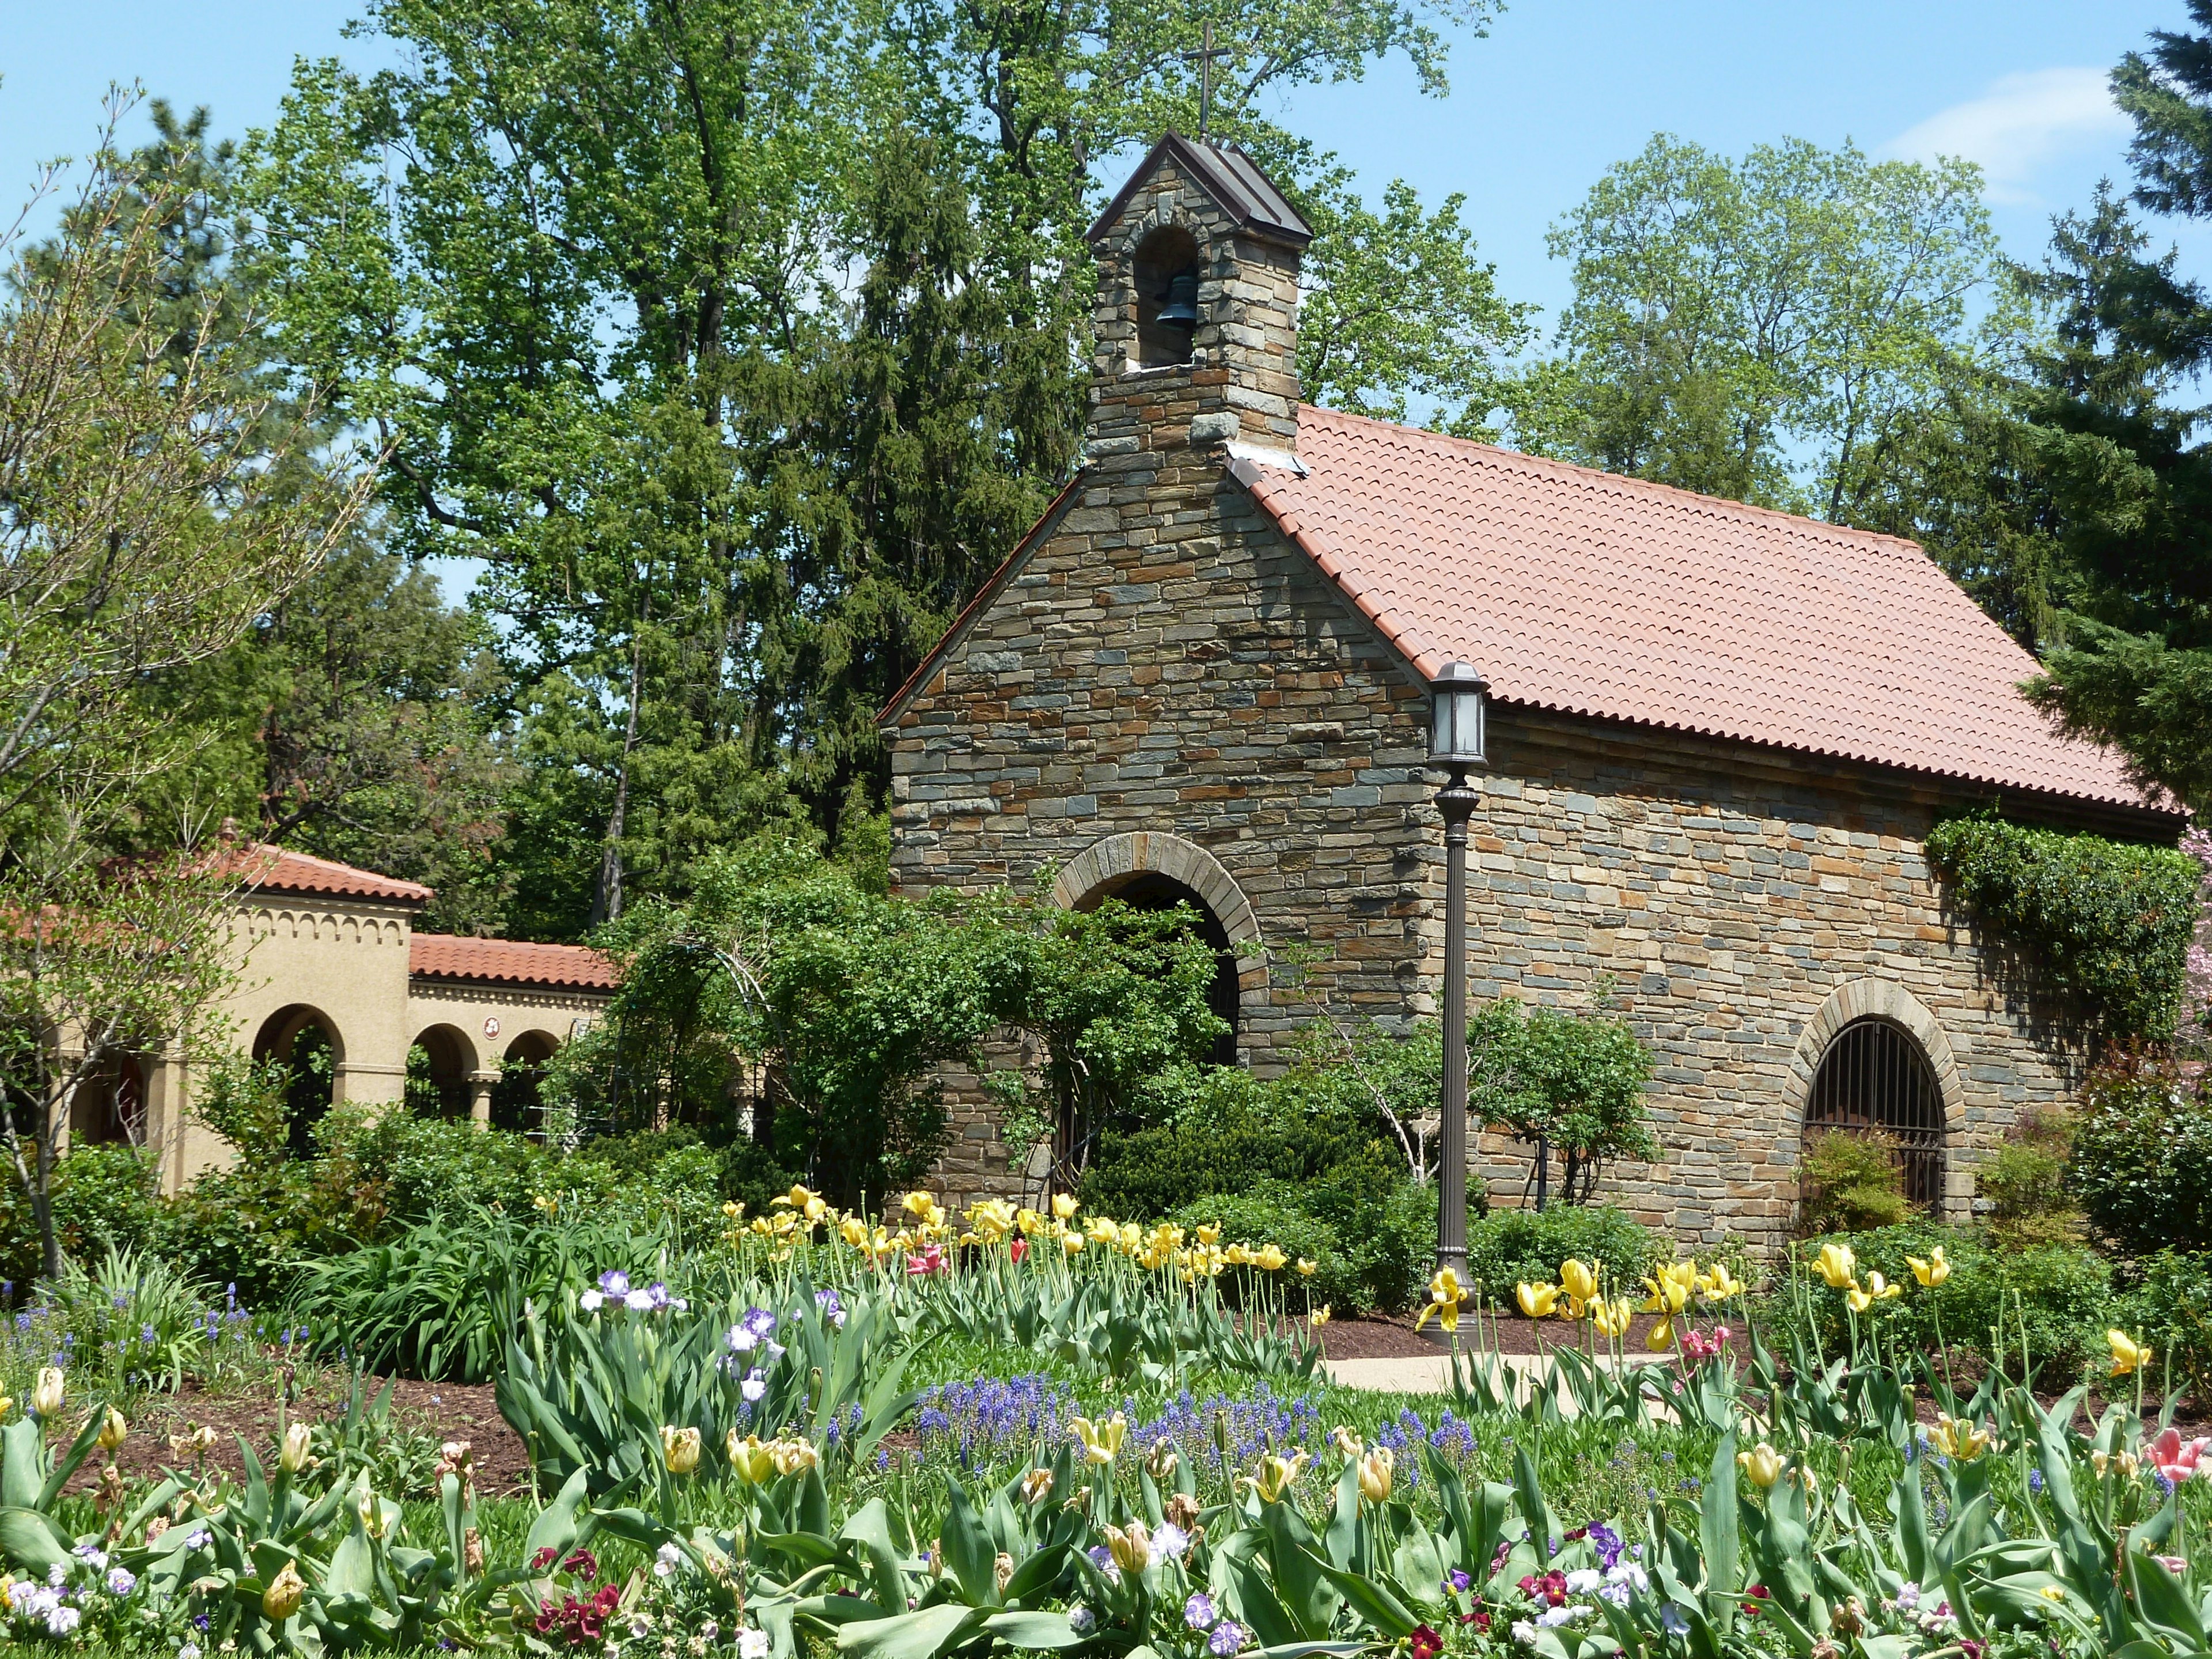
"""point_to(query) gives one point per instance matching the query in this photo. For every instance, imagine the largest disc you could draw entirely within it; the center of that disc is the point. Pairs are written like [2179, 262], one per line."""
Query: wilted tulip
[281, 1599]
[114, 1431]
[2129, 1356]
[1959, 1439]
[1037, 1486]
[794, 1455]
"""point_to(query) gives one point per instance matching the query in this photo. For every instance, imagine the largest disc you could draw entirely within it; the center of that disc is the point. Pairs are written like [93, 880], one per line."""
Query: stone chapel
[1719, 737]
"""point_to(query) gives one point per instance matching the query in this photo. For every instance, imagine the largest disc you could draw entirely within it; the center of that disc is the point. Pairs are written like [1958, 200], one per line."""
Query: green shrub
[1507, 1246]
[2109, 920]
[2142, 1156]
[106, 1196]
[2064, 1291]
[2025, 1182]
[1150, 1173]
[1852, 1184]
[2171, 1305]
[1374, 1247]
[427, 1166]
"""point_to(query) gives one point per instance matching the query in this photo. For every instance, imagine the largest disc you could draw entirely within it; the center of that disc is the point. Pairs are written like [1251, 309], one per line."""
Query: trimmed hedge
[1144, 1174]
[1375, 1248]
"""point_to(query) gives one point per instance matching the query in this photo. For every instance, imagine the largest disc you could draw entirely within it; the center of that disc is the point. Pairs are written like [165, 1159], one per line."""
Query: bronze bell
[1180, 309]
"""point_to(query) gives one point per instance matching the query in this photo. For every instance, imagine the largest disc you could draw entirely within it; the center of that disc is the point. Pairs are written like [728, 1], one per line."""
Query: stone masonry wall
[1162, 663]
[1732, 894]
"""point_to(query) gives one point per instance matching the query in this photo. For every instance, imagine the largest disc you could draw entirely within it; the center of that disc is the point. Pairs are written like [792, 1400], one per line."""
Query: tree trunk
[607, 892]
[1543, 1172]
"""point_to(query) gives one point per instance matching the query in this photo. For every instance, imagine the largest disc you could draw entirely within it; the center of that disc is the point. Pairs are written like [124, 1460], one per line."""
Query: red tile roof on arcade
[453, 956]
[279, 870]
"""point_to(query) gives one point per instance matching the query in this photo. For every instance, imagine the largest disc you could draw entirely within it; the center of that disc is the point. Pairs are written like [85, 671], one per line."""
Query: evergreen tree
[2126, 463]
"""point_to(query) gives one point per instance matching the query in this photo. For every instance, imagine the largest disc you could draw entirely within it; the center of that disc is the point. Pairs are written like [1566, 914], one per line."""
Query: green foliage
[2110, 922]
[1146, 1173]
[1852, 1182]
[2142, 1155]
[1776, 330]
[2170, 1304]
[1374, 1248]
[851, 1001]
[2025, 1181]
[1508, 1246]
[1571, 1083]
[2059, 1294]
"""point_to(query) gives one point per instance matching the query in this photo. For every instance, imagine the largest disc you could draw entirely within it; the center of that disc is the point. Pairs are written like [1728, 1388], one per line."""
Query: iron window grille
[1874, 1081]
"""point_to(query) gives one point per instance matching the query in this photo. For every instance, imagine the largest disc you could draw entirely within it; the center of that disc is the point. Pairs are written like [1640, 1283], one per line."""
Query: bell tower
[1196, 326]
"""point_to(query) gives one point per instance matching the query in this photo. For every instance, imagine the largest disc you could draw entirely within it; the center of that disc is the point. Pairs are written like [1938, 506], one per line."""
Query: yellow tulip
[1660, 1335]
[1210, 1234]
[1307, 1266]
[1238, 1255]
[1131, 1550]
[1537, 1301]
[1072, 1243]
[1932, 1272]
[1446, 1294]
[1064, 1206]
[370, 1508]
[1277, 1475]
[2129, 1356]
[114, 1431]
[1319, 1317]
[1036, 1486]
[1958, 1438]
[1270, 1257]
[1860, 1301]
[1763, 1464]
[752, 1461]
[1100, 1441]
[1375, 1470]
[46, 1395]
[919, 1204]
[1837, 1266]
[1719, 1284]
[1669, 1295]
[992, 1219]
[281, 1599]
[6, 1405]
[1100, 1230]
[1349, 1443]
[1682, 1274]
[679, 1448]
[1611, 1318]
[854, 1231]
[793, 1455]
[1577, 1280]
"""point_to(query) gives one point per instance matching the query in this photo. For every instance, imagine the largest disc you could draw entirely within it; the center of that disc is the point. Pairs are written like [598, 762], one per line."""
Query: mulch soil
[1396, 1339]
[443, 1411]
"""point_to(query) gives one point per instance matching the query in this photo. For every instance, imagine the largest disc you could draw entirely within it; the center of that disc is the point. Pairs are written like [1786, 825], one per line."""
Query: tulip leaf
[921, 1634]
[1254, 1601]
[555, 1529]
[870, 1528]
[22, 1463]
[1372, 1602]
[1717, 1538]
[1035, 1630]
[31, 1539]
[967, 1549]
[2160, 1598]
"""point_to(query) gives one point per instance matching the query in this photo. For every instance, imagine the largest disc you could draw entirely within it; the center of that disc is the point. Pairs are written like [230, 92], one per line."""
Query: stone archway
[306, 1040]
[1145, 861]
[1869, 999]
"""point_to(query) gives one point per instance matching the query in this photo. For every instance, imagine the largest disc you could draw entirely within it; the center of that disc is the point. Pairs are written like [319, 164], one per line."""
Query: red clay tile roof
[1593, 594]
[280, 870]
[451, 956]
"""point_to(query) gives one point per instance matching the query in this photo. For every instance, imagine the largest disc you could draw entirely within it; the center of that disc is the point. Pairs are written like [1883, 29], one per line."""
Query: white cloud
[2021, 122]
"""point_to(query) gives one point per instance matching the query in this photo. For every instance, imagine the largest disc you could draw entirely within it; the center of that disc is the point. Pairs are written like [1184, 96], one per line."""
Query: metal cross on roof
[1205, 54]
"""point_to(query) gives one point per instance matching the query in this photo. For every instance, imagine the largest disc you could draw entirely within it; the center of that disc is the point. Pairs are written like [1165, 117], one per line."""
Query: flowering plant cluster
[89, 1596]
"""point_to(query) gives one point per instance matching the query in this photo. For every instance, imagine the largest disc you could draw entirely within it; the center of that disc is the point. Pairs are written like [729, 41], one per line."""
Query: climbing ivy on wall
[2106, 920]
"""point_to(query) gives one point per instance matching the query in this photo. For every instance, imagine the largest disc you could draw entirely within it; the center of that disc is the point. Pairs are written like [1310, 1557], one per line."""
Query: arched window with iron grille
[1874, 1080]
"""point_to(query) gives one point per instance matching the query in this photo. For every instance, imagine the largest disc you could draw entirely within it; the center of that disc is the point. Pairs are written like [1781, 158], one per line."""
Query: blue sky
[1559, 90]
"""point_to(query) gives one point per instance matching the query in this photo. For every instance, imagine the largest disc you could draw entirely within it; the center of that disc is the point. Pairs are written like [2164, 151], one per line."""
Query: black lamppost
[1457, 696]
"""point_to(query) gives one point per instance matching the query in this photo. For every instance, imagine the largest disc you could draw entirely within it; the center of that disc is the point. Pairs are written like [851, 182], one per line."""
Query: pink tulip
[2178, 1459]
[930, 1260]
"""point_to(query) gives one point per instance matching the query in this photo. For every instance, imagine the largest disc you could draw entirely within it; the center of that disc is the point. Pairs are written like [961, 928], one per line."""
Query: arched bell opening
[1166, 272]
